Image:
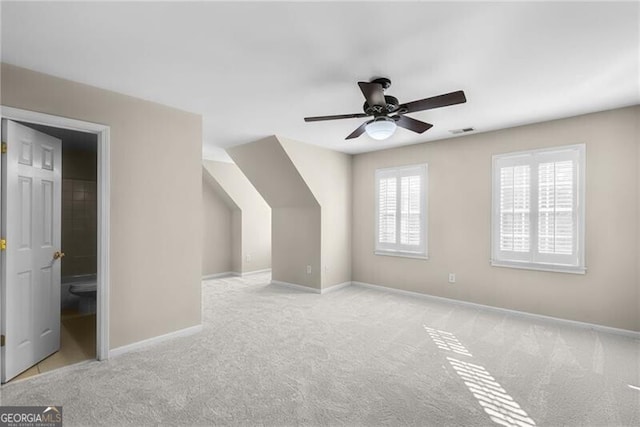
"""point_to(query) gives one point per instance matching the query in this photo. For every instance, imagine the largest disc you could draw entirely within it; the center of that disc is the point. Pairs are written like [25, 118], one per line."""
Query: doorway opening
[79, 233]
[81, 303]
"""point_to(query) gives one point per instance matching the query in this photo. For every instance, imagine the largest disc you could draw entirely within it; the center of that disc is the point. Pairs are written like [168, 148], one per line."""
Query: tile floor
[77, 344]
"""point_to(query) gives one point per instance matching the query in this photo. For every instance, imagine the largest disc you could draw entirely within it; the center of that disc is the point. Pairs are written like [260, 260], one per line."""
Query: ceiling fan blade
[373, 92]
[412, 124]
[356, 133]
[434, 102]
[339, 116]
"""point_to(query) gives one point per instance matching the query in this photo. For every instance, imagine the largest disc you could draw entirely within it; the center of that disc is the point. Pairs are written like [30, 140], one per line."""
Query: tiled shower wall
[79, 209]
[79, 226]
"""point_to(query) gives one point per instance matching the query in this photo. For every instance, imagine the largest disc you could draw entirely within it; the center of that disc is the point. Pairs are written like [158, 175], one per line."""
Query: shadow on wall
[218, 228]
[230, 198]
[309, 191]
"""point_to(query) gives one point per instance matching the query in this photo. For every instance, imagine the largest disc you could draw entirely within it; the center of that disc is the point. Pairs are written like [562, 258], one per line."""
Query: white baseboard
[335, 287]
[155, 340]
[584, 325]
[295, 286]
[234, 274]
[219, 275]
[249, 273]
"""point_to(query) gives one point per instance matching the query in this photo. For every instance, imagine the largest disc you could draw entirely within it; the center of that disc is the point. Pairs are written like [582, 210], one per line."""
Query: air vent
[463, 130]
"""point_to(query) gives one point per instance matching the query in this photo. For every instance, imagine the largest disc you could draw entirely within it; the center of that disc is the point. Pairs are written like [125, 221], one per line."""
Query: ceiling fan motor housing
[378, 110]
[383, 81]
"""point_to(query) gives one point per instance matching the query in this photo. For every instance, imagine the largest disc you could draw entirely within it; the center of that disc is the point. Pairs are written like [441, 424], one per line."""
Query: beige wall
[254, 239]
[295, 213]
[637, 133]
[459, 193]
[156, 199]
[216, 228]
[327, 173]
[236, 241]
[267, 165]
[296, 244]
[309, 190]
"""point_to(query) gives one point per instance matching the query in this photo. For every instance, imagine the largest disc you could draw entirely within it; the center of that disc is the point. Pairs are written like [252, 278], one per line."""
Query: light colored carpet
[270, 355]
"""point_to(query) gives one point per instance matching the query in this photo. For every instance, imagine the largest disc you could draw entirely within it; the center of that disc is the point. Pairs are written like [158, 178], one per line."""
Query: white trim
[249, 273]
[335, 287]
[397, 248]
[533, 259]
[296, 286]
[219, 275]
[51, 120]
[401, 254]
[576, 323]
[104, 209]
[104, 233]
[234, 273]
[139, 345]
[553, 268]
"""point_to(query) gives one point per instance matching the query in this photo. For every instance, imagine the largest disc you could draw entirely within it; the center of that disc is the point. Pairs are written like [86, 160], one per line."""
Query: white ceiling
[256, 69]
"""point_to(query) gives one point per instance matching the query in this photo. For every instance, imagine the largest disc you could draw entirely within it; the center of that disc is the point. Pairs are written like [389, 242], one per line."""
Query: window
[401, 207]
[538, 209]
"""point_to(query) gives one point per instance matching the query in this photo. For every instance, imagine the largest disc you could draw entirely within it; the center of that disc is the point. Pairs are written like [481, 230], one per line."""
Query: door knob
[58, 255]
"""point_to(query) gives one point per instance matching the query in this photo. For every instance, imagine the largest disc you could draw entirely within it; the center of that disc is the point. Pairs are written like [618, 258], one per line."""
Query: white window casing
[538, 209]
[401, 211]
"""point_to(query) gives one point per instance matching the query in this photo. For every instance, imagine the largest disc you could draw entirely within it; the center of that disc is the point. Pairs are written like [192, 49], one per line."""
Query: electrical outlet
[452, 277]
[248, 257]
[308, 269]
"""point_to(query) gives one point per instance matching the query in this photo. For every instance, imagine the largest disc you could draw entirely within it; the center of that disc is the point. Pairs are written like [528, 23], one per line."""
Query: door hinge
[3, 244]
[4, 147]
[1, 340]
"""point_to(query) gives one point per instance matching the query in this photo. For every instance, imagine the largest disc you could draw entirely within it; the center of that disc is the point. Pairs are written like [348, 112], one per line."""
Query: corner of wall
[328, 175]
[637, 115]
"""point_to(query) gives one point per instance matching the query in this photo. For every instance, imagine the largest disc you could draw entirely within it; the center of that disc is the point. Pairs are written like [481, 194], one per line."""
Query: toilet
[84, 289]
[81, 292]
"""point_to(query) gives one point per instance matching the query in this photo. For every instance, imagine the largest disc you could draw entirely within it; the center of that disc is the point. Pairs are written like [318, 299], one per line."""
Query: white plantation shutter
[538, 209]
[514, 208]
[387, 210]
[410, 210]
[555, 207]
[401, 211]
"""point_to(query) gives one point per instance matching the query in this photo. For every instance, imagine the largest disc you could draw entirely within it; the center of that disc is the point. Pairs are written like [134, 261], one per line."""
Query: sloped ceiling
[235, 184]
[273, 174]
[209, 180]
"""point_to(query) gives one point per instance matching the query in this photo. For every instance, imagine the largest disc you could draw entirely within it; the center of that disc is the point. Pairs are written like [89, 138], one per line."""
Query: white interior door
[31, 210]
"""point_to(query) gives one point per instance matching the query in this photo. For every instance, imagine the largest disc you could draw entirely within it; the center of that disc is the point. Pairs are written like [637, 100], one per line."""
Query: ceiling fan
[388, 113]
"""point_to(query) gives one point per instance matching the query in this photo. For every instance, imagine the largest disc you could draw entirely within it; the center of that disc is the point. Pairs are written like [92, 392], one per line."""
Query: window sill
[554, 268]
[401, 254]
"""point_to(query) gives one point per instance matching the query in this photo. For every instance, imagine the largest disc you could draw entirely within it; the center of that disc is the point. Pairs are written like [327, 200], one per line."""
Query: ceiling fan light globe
[381, 128]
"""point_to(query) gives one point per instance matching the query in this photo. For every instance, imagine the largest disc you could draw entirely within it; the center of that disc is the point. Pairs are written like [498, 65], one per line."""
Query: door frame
[103, 196]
